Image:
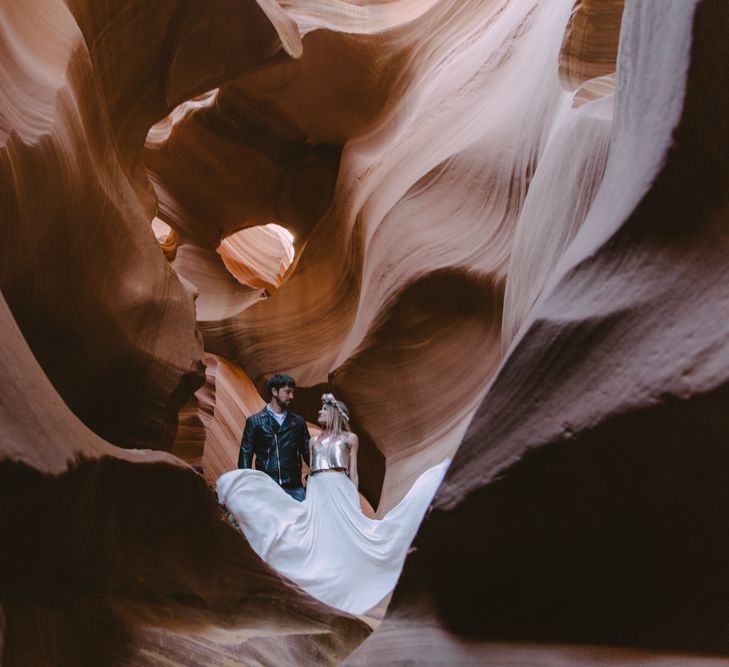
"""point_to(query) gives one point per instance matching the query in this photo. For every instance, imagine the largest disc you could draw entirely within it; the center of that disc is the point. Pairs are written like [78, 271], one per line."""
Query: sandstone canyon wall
[596, 511]
[116, 556]
[500, 235]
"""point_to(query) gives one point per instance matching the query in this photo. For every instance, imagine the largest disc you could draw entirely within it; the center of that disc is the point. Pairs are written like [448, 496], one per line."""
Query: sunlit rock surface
[236, 398]
[587, 501]
[123, 556]
[77, 254]
[404, 272]
[258, 256]
[107, 555]
[502, 239]
[590, 43]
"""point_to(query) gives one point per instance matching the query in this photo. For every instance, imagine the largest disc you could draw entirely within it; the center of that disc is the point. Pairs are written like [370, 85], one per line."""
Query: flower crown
[328, 399]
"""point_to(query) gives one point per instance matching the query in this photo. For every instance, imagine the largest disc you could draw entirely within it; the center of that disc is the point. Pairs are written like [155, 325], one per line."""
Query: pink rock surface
[111, 554]
[258, 256]
[77, 252]
[123, 555]
[507, 247]
[404, 274]
[586, 502]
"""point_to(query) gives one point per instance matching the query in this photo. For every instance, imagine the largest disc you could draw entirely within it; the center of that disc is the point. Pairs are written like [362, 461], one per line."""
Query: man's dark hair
[280, 380]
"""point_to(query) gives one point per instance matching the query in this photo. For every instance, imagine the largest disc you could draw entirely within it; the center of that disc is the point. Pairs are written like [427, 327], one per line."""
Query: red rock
[506, 248]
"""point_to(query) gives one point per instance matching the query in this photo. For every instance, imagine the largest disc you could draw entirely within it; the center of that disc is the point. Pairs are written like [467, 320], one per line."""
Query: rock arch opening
[259, 256]
[416, 150]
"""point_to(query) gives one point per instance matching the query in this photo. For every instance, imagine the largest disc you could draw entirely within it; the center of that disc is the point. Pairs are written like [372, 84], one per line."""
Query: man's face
[283, 396]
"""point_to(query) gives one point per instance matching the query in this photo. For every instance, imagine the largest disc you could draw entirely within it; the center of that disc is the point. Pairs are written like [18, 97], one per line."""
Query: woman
[326, 544]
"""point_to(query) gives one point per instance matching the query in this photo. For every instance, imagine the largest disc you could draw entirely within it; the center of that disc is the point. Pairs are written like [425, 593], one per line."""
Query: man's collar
[275, 416]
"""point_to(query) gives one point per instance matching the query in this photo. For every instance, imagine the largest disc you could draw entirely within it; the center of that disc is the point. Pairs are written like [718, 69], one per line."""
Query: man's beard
[283, 404]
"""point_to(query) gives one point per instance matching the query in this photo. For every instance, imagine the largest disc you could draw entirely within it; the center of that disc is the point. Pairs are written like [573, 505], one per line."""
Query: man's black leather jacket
[278, 449]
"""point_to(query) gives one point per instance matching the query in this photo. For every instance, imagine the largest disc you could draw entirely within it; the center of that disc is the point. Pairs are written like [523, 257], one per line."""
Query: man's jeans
[297, 493]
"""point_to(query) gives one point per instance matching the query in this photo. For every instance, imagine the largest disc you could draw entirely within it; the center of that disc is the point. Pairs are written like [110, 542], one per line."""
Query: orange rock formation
[509, 247]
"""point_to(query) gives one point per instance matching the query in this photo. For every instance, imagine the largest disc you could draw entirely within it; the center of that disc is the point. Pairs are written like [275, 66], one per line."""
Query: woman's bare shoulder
[352, 439]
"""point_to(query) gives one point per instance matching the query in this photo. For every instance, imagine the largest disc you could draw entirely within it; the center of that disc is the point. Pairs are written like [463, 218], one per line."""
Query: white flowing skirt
[326, 544]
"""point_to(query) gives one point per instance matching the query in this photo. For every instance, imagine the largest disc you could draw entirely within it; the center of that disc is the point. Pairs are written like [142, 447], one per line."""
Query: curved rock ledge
[509, 249]
[124, 556]
[595, 511]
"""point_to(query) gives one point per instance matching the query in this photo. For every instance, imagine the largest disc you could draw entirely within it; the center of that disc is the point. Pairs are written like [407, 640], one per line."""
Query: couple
[318, 537]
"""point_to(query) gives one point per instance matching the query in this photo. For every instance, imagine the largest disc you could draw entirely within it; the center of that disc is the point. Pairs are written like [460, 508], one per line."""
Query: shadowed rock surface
[510, 246]
[119, 557]
[596, 512]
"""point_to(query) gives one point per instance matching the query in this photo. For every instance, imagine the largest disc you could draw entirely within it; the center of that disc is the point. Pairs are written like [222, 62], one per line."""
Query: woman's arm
[353, 450]
[312, 444]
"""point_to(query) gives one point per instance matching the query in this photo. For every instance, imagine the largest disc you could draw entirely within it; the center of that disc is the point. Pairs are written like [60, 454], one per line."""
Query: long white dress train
[326, 544]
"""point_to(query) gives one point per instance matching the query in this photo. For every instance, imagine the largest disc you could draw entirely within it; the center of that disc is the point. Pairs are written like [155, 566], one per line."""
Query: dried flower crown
[328, 399]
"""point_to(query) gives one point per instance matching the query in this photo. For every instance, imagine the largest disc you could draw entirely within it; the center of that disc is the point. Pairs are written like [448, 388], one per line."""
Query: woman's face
[323, 418]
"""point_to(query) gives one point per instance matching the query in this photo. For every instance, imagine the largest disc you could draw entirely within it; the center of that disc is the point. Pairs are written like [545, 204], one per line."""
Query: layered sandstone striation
[495, 228]
[108, 554]
[401, 270]
[123, 556]
[586, 501]
[77, 252]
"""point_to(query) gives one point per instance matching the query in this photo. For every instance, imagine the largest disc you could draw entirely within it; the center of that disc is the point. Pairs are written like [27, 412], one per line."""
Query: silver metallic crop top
[331, 454]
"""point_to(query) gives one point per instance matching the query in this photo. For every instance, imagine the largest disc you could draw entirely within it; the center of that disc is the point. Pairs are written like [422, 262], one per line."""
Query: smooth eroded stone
[396, 295]
[97, 302]
[124, 556]
[590, 44]
[587, 502]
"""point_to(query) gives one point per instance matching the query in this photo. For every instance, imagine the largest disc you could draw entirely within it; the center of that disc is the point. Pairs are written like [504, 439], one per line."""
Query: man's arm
[245, 456]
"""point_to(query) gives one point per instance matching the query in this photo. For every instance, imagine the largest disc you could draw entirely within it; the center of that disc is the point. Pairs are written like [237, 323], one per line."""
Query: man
[278, 438]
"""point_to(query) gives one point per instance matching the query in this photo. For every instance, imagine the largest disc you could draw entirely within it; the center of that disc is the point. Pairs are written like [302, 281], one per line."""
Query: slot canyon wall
[496, 228]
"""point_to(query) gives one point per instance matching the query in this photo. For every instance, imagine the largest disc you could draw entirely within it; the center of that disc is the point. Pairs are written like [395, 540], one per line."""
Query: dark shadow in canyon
[616, 537]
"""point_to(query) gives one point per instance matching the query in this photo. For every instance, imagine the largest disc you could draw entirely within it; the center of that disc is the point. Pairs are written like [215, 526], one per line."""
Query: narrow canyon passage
[496, 229]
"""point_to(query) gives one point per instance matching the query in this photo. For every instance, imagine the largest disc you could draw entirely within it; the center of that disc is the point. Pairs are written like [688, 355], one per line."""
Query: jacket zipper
[278, 458]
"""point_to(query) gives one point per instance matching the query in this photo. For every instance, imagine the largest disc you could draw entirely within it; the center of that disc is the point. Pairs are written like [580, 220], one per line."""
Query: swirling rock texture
[587, 502]
[111, 556]
[510, 247]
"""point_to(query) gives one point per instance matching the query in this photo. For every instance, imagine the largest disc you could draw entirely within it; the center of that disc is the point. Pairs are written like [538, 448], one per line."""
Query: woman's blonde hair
[338, 414]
